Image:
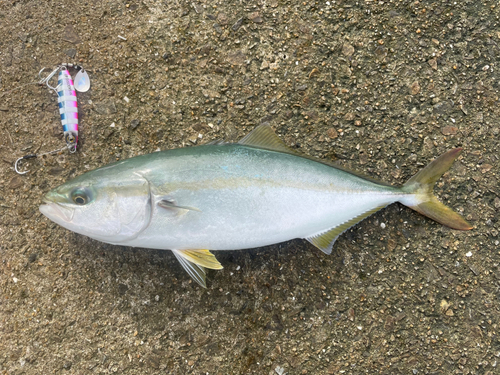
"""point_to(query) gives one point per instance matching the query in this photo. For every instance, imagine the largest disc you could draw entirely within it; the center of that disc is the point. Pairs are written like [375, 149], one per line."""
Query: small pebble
[496, 202]
[134, 124]
[347, 50]
[486, 168]
[349, 116]
[237, 24]
[433, 63]
[16, 182]
[105, 107]
[415, 88]
[449, 130]
[444, 305]
[71, 52]
[332, 133]
[255, 17]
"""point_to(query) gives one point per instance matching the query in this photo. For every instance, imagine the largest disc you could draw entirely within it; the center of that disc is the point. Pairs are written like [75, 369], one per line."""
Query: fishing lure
[68, 104]
[66, 98]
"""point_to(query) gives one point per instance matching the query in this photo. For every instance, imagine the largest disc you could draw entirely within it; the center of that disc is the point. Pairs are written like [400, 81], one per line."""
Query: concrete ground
[381, 87]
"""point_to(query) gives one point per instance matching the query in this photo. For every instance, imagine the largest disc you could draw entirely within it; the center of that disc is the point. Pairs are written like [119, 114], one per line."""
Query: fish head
[103, 207]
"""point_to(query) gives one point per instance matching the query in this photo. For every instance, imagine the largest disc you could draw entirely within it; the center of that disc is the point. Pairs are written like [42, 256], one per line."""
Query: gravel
[381, 87]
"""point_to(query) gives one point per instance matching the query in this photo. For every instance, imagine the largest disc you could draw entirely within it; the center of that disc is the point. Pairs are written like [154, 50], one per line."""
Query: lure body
[68, 108]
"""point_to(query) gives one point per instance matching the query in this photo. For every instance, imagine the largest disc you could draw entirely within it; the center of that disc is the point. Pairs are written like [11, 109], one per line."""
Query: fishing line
[18, 87]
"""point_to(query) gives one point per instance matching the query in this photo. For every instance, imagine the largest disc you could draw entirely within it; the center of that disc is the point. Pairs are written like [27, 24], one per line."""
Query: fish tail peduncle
[425, 202]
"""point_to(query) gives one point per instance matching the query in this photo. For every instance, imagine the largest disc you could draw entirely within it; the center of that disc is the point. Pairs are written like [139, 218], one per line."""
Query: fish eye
[80, 196]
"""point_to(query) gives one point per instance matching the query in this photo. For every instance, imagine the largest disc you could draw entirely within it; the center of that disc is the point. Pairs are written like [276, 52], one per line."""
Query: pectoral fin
[170, 204]
[325, 240]
[195, 262]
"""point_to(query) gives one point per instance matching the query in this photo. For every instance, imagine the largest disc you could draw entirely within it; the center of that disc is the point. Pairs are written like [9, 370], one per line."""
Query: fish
[233, 196]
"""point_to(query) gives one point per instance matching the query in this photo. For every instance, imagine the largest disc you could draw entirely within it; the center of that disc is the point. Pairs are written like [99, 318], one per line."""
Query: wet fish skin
[253, 193]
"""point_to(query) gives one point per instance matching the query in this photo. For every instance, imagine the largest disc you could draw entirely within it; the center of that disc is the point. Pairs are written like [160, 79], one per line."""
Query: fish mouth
[57, 213]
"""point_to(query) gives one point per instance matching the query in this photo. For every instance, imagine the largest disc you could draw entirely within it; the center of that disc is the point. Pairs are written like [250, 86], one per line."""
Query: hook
[30, 156]
[71, 148]
[45, 81]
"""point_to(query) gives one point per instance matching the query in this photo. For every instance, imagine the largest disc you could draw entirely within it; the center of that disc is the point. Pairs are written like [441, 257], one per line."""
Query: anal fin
[195, 262]
[325, 240]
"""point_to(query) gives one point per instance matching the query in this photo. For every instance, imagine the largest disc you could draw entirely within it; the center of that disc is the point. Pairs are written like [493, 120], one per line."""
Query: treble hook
[30, 156]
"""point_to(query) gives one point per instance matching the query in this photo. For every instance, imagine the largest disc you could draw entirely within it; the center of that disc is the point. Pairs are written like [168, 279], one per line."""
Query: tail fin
[422, 184]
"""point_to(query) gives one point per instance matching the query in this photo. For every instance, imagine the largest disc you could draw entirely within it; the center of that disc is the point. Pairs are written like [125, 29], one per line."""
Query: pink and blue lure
[68, 108]
[66, 98]
[68, 105]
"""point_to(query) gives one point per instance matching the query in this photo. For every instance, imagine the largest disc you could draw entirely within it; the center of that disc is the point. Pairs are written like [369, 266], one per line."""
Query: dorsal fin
[264, 137]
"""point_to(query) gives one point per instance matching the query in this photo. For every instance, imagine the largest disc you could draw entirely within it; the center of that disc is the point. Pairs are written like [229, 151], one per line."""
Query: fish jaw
[55, 208]
[57, 213]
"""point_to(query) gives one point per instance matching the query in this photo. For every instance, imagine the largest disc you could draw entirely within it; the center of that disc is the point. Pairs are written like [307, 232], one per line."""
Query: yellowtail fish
[253, 193]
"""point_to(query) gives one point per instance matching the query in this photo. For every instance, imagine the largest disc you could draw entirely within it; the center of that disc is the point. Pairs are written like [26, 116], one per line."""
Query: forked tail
[421, 186]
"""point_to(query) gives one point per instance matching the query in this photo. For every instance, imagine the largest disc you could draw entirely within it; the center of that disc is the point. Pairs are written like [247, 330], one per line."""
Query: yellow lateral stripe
[203, 258]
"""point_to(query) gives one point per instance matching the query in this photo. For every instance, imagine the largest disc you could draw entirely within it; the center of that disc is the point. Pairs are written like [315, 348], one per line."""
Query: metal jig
[68, 104]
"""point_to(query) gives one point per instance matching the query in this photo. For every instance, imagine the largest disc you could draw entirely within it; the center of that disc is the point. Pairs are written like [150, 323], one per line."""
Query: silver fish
[253, 193]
